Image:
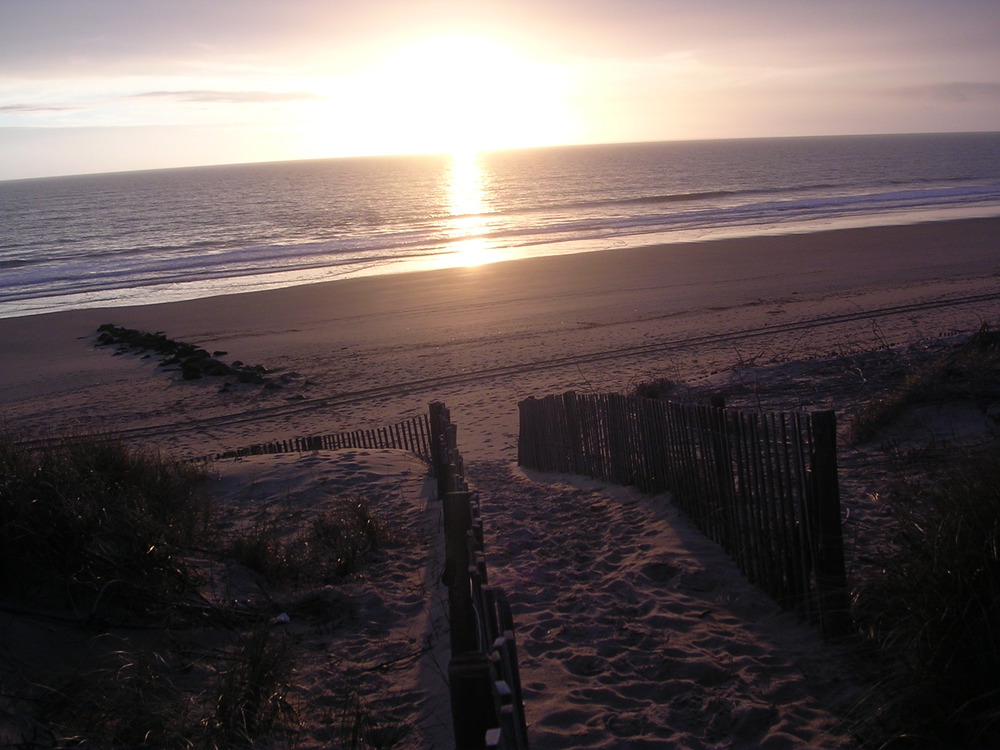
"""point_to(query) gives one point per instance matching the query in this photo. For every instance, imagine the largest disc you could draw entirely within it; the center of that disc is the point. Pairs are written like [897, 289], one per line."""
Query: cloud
[951, 92]
[231, 97]
[31, 108]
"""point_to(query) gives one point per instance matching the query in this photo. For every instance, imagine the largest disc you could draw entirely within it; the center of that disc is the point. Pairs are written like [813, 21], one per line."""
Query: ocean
[165, 235]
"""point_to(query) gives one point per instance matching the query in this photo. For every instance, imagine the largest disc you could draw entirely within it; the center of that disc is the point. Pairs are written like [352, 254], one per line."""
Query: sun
[456, 93]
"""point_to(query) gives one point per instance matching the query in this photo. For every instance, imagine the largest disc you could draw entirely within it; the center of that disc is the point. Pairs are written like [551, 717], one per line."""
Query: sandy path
[635, 631]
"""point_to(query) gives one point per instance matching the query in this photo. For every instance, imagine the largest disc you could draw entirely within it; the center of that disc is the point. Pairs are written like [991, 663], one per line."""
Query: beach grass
[96, 519]
[106, 543]
[330, 548]
[971, 370]
[933, 609]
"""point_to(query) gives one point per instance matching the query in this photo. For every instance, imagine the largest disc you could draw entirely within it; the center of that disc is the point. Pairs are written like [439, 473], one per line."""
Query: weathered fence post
[830, 573]
[457, 522]
[439, 419]
[472, 709]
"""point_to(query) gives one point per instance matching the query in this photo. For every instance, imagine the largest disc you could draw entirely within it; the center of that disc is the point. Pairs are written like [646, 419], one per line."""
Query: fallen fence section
[411, 435]
[485, 684]
[762, 485]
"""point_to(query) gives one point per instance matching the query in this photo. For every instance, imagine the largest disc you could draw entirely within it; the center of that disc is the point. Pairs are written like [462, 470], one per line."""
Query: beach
[616, 653]
[365, 352]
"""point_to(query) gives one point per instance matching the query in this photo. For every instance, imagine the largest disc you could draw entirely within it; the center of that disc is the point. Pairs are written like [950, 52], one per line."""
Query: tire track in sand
[436, 382]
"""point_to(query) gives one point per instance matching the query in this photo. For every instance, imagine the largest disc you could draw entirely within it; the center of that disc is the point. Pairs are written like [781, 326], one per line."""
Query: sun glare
[467, 204]
[447, 94]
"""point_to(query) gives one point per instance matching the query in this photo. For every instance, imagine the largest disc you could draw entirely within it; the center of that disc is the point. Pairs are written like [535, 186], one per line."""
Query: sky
[113, 85]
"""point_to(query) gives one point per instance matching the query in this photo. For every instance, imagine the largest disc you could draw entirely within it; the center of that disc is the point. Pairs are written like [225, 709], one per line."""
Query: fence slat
[830, 571]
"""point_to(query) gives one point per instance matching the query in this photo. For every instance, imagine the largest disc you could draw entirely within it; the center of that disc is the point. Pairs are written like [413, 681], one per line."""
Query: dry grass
[109, 641]
[332, 547]
[96, 521]
[933, 611]
[971, 370]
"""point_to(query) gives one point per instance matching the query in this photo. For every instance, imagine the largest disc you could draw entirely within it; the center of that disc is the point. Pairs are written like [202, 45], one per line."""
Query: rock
[194, 361]
[215, 368]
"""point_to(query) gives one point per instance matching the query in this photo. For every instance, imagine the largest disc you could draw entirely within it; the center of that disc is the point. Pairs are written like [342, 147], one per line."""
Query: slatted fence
[485, 683]
[411, 435]
[762, 485]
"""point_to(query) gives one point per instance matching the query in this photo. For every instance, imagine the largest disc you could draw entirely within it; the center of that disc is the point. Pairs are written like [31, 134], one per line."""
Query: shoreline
[656, 243]
[974, 234]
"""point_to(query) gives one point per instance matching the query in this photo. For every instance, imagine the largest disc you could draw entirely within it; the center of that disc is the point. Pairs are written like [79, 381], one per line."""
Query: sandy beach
[368, 351]
[634, 630]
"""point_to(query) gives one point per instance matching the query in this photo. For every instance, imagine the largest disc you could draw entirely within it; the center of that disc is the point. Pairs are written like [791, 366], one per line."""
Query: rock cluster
[192, 361]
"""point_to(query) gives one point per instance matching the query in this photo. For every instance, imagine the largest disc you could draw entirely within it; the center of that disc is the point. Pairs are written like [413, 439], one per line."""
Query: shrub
[656, 388]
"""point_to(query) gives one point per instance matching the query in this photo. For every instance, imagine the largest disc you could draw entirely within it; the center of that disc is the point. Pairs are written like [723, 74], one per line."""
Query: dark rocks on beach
[215, 368]
[191, 361]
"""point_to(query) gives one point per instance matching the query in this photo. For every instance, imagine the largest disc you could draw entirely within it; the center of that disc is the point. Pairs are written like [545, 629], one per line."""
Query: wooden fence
[410, 435]
[484, 678]
[762, 485]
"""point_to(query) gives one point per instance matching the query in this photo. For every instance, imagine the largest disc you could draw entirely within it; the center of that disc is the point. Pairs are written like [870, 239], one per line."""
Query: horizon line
[444, 153]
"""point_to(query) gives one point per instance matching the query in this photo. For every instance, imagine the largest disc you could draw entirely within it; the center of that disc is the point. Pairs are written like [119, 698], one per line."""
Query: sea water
[164, 235]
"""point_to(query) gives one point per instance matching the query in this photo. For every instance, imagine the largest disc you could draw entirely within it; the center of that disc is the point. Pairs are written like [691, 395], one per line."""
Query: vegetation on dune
[972, 370]
[95, 519]
[930, 607]
[329, 549]
[933, 609]
[106, 543]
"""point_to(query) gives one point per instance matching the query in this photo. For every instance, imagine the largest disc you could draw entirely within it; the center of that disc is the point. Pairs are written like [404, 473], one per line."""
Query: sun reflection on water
[466, 198]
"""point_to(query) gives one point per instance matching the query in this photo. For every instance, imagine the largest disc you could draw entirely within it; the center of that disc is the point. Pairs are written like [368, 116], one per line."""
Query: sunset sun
[453, 94]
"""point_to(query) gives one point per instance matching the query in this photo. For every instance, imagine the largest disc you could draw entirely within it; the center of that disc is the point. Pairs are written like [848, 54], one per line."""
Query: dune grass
[933, 610]
[331, 548]
[970, 370]
[96, 520]
[102, 540]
